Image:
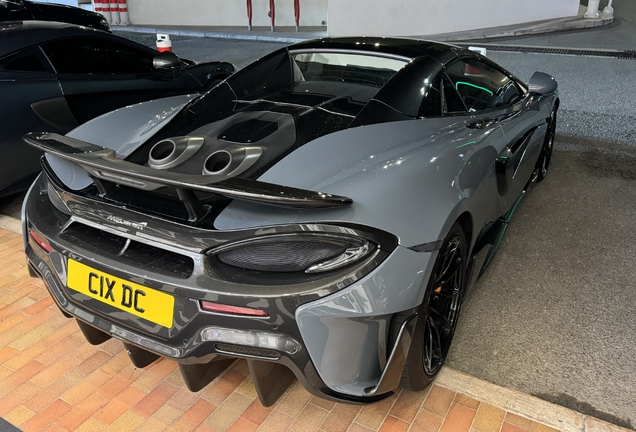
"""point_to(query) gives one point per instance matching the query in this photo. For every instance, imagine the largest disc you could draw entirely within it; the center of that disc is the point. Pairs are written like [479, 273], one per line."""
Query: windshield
[367, 70]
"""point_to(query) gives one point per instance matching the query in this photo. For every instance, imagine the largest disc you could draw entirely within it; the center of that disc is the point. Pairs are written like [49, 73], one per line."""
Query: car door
[101, 74]
[496, 97]
[31, 101]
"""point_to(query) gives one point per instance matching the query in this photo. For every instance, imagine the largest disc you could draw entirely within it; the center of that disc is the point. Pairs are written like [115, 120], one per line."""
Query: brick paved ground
[52, 379]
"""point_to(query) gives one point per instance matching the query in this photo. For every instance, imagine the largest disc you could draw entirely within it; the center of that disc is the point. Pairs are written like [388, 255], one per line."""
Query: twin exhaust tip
[217, 163]
[172, 152]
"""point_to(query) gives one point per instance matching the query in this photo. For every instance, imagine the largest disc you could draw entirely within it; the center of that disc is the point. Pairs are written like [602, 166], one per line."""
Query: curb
[574, 24]
[209, 34]
[556, 416]
[11, 224]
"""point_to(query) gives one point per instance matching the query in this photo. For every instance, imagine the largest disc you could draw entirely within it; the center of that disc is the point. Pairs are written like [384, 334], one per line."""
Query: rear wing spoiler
[102, 163]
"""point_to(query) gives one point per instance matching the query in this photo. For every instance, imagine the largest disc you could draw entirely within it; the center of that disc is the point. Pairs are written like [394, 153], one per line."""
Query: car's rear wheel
[548, 146]
[439, 314]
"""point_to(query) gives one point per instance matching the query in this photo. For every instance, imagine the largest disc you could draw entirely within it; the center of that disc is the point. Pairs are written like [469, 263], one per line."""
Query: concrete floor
[554, 314]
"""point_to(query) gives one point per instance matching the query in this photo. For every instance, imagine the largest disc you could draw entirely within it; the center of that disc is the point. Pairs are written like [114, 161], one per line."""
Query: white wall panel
[423, 17]
[223, 12]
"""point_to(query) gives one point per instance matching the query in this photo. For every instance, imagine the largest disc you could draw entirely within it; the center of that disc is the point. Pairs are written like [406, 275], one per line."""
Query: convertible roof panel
[411, 48]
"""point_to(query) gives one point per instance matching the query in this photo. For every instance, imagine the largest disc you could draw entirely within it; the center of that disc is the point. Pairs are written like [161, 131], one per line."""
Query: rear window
[93, 55]
[366, 70]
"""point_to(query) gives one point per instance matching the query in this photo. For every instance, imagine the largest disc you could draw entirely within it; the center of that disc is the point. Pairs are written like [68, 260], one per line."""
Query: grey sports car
[321, 213]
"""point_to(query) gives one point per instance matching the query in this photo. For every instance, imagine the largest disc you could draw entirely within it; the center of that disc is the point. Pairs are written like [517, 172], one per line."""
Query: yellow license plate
[144, 302]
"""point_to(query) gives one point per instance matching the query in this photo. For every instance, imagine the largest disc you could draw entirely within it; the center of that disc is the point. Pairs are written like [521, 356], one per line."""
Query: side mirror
[165, 60]
[542, 83]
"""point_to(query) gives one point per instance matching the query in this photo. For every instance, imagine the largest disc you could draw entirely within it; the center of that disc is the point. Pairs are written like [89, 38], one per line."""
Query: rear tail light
[40, 242]
[309, 253]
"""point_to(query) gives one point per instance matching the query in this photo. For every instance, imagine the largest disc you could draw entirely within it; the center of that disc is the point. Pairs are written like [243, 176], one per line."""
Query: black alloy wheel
[548, 146]
[439, 315]
[444, 304]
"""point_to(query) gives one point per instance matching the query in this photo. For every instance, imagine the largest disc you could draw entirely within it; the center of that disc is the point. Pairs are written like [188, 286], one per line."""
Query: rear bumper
[338, 346]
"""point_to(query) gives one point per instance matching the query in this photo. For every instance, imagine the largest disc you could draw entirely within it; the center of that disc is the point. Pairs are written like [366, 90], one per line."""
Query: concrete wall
[223, 12]
[426, 17]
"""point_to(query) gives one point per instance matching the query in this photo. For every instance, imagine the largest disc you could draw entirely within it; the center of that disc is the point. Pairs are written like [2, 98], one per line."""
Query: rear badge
[136, 225]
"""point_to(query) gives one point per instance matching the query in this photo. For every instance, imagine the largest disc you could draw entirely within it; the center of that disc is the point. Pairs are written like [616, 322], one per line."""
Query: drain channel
[619, 54]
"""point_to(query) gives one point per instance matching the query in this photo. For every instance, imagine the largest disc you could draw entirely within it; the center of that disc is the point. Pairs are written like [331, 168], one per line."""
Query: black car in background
[56, 76]
[23, 10]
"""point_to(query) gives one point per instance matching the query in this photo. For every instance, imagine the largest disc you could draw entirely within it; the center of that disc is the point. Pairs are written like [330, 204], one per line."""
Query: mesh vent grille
[137, 254]
[247, 351]
[249, 131]
[281, 257]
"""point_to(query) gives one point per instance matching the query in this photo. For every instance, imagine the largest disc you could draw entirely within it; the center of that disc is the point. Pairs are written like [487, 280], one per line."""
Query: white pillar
[592, 9]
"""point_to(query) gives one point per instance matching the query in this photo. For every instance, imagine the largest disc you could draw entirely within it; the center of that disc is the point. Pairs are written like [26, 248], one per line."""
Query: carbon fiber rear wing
[102, 163]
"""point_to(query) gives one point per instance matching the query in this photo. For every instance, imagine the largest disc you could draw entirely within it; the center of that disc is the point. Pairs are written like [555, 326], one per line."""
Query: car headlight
[311, 253]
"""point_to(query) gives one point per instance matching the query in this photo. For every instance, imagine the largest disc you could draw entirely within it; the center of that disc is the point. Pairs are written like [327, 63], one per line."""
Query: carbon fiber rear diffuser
[270, 379]
[140, 357]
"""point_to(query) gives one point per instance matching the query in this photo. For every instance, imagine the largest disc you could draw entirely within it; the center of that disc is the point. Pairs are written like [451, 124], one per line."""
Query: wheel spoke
[449, 260]
[428, 348]
[446, 324]
[450, 272]
[434, 349]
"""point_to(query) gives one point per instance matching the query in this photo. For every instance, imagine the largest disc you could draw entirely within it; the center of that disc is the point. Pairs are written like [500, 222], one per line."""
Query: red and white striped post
[97, 6]
[123, 13]
[249, 15]
[114, 12]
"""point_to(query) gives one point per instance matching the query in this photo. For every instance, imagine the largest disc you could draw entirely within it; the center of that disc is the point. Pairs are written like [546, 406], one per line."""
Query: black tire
[445, 291]
[548, 146]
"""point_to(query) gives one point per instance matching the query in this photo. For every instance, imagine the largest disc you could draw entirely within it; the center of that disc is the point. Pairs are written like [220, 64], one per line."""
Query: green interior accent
[472, 85]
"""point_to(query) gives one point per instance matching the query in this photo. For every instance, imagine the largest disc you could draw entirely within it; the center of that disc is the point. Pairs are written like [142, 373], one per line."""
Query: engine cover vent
[248, 132]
